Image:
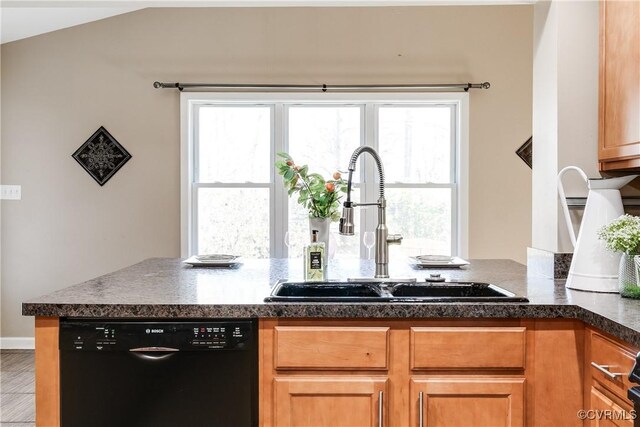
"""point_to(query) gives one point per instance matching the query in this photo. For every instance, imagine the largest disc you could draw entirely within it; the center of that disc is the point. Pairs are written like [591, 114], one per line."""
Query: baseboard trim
[17, 343]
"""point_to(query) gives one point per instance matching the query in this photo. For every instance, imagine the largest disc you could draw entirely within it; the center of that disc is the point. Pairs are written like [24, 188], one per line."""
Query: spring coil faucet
[383, 238]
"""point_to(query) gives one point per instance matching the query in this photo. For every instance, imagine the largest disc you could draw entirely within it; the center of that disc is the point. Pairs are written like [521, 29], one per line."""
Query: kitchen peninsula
[400, 362]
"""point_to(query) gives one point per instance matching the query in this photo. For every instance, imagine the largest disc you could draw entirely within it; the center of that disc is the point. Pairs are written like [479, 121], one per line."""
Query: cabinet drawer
[468, 348]
[616, 359]
[619, 417]
[308, 347]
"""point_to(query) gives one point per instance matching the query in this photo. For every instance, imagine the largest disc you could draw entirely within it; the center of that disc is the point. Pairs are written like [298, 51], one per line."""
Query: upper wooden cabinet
[619, 96]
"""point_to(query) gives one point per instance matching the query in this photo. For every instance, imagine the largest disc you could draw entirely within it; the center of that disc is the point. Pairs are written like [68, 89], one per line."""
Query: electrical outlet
[10, 192]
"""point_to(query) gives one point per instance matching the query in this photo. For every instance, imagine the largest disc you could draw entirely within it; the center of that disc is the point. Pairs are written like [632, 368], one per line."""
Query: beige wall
[60, 87]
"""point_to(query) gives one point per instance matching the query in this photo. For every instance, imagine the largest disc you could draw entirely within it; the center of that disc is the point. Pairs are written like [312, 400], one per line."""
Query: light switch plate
[10, 192]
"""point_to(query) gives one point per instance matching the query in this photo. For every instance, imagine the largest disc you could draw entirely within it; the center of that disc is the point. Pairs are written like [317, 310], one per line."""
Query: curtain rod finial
[157, 85]
[486, 85]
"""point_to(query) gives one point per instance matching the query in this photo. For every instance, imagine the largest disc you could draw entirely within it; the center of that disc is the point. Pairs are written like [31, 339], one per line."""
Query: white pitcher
[593, 267]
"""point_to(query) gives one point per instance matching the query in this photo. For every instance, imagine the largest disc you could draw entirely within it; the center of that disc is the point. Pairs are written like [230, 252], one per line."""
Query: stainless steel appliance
[160, 374]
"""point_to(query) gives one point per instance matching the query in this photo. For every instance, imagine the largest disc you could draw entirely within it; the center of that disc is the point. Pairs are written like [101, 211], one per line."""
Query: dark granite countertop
[166, 288]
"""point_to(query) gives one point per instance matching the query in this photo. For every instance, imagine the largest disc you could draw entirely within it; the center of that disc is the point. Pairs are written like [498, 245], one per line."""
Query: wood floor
[17, 406]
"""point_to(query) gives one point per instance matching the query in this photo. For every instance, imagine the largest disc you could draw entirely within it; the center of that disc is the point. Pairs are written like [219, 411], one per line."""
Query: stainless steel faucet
[383, 238]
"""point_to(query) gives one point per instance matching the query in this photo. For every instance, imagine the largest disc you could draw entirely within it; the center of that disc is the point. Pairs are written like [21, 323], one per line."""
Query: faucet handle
[394, 239]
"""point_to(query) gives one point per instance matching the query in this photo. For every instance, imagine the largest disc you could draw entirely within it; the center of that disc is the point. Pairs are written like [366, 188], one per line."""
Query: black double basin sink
[390, 292]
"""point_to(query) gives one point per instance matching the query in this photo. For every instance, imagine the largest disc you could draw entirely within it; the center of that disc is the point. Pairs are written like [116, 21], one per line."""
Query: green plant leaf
[284, 155]
[289, 174]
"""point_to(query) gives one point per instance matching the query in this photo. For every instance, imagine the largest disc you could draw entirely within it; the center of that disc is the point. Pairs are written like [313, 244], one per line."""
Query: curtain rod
[322, 88]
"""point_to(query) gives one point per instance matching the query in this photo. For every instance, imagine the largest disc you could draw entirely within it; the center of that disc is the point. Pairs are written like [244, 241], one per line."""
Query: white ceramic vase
[593, 267]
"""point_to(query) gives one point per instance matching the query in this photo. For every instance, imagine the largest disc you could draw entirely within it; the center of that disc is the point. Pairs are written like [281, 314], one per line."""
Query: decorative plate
[437, 261]
[213, 260]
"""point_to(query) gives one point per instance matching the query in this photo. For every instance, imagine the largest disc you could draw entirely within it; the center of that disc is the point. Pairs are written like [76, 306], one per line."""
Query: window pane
[234, 221]
[423, 217]
[345, 246]
[234, 144]
[324, 137]
[415, 144]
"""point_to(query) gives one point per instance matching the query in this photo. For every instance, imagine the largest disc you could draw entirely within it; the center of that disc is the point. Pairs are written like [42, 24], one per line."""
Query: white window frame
[191, 101]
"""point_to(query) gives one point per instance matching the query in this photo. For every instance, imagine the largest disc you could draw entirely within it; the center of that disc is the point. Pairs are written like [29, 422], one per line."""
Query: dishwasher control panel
[92, 335]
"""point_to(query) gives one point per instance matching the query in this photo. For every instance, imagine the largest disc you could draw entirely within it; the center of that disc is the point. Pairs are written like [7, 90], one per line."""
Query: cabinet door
[619, 85]
[454, 402]
[605, 413]
[329, 402]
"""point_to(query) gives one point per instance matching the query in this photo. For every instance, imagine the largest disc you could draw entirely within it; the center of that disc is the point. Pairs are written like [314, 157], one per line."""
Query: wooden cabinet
[335, 401]
[619, 88]
[475, 348]
[599, 403]
[331, 347]
[607, 363]
[454, 402]
[361, 373]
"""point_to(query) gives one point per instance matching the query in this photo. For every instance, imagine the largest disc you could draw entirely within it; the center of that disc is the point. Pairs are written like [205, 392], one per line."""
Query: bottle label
[315, 260]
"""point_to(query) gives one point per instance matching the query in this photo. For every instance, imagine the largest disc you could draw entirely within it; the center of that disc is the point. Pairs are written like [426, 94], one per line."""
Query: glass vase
[628, 276]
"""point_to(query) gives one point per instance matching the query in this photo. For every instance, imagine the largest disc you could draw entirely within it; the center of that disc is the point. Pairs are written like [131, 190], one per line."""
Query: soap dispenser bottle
[314, 253]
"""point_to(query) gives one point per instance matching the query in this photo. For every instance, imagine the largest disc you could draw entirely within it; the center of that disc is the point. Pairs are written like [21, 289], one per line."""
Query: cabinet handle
[420, 414]
[605, 370]
[380, 408]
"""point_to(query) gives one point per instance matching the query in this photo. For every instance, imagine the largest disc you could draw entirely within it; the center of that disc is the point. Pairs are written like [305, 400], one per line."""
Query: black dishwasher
[158, 374]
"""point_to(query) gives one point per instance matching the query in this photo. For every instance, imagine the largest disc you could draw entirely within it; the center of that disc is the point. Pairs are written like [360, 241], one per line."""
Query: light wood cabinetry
[336, 401]
[324, 372]
[607, 362]
[619, 88]
[330, 347]
[47, 361]
[474, 347]
[454, 402]
[601, 404]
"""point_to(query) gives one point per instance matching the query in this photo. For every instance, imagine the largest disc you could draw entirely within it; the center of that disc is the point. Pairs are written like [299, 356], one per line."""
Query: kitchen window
[234, 202]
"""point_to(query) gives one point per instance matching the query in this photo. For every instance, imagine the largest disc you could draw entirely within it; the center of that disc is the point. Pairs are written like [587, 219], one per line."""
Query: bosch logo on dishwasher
[155, 331]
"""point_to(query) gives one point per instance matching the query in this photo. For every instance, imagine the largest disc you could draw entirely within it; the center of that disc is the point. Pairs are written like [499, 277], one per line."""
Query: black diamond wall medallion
[101, 156]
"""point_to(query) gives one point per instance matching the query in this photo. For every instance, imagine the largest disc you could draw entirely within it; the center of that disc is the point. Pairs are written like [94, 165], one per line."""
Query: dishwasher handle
[154, 349]
[153, 353]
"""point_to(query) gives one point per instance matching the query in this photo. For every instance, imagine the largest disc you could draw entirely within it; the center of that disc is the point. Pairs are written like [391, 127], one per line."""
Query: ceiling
[21, 22]
[26, 18]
